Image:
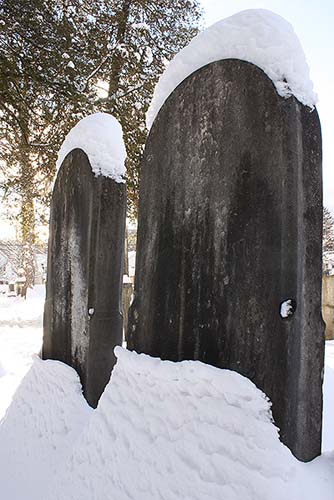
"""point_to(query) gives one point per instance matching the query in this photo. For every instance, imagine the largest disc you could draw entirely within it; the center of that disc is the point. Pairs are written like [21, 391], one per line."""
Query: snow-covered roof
[3, 259]
[329, 256]
[10, 259]
[258, 36]
[100, 136]
[328, 263]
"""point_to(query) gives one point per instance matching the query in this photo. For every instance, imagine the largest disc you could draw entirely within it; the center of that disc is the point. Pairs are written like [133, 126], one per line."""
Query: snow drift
[162, 430]
[258, 36]
[39, 428]
[177, 430]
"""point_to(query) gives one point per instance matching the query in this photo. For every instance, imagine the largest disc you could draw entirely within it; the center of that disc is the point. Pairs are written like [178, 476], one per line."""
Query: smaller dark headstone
[82, 316]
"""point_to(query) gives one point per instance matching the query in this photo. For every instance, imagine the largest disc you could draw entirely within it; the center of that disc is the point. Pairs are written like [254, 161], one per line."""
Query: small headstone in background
[126, 300]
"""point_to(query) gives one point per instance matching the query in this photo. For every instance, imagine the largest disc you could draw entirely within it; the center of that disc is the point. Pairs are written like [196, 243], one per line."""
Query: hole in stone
[287, 308]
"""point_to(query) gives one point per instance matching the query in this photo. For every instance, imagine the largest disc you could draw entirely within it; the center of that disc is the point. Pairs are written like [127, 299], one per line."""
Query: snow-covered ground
[161, 431]
[328, 390]
[20, 336]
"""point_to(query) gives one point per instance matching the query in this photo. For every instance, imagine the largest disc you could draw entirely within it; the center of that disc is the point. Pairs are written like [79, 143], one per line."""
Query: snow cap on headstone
[100, 136]
[257, 36]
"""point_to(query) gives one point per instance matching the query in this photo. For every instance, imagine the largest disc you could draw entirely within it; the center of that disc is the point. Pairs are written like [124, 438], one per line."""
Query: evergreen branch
[22, 128]
[96, 70]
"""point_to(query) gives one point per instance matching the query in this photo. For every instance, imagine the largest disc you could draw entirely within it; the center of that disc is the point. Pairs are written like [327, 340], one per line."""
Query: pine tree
[141, 36]
[55, 55]
[40, 97]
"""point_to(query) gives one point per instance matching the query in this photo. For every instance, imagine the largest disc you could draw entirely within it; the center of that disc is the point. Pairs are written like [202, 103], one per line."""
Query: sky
[313, 22]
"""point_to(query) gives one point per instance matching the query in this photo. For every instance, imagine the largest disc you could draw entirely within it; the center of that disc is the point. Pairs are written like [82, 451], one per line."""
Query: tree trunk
[28, 241]
[115, 73]
[118, 60]
[28, 263]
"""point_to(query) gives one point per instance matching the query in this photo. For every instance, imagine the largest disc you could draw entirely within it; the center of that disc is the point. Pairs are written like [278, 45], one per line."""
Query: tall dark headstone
[228, 264]
[82, 316]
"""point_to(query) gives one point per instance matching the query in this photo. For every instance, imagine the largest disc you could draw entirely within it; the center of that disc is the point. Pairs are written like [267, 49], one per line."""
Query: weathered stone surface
[230, 220]
[82, 316]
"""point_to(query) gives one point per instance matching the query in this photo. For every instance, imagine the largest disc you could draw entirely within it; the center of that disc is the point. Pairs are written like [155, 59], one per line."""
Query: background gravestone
[82, 316]
[230, 221]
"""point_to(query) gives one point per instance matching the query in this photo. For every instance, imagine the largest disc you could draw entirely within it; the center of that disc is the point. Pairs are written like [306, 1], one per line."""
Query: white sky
[313, 22]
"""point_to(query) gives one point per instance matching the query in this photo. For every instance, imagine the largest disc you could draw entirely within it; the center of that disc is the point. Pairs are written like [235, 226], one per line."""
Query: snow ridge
[258, 36]
[100, 136]
[177, 430]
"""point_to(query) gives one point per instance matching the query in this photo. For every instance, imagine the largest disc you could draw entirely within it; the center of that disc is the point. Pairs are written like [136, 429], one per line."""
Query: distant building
[10, 261]
[328, 263]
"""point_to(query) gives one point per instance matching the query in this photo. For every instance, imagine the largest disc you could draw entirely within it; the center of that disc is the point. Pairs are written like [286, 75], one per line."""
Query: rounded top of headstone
[258, 36]
[100, 136]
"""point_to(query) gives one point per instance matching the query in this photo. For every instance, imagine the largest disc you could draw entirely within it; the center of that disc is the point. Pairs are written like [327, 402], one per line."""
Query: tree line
[61, 60]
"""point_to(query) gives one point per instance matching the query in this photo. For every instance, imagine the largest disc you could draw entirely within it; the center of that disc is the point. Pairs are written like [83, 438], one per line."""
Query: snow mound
[162, 430]
[39, 429]
[177, 430]
[100, 136]
[258, 36]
